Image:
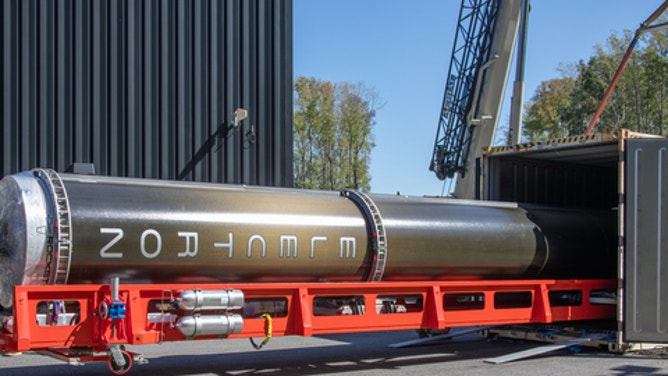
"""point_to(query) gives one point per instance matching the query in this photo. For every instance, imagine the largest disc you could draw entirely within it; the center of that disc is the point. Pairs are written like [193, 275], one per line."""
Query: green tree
[333, 134]
[565, 106]
[357, 110]
[311, 102]
[547, 108]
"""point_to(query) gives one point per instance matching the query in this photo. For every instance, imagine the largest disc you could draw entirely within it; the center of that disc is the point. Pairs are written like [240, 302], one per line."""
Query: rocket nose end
[23, 234]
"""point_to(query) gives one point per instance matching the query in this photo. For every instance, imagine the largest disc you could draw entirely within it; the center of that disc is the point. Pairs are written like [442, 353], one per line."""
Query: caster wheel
[120, 370]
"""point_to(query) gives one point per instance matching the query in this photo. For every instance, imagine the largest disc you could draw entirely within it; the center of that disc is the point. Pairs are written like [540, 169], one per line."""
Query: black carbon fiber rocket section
[66, 229]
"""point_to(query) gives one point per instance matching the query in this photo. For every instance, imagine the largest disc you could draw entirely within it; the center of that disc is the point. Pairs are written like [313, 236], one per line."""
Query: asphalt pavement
[352, 354]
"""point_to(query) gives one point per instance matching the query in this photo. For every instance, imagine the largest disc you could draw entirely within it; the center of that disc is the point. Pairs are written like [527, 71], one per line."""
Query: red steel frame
[94, 331]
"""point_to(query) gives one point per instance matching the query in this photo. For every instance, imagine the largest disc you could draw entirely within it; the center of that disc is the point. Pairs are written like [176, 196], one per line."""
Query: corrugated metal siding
[148, 88]
[645, 248]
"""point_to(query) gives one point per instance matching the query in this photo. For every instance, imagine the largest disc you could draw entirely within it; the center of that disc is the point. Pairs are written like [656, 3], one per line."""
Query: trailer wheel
[120, 370]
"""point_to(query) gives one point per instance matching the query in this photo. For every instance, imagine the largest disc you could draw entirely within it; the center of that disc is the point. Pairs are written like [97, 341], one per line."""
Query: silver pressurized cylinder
[203, 325]
[65, 229]
[195, 300]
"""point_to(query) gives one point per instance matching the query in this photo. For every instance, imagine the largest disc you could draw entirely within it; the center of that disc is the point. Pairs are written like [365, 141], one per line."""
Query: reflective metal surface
[153, 231]
[23, 234]
[148, 231]
[457, 238]
[193, 300]
[193, 326]
[452, 238]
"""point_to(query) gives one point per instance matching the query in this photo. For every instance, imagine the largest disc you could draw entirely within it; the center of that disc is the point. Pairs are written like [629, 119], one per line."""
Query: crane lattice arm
[481, 56]
[470, 51]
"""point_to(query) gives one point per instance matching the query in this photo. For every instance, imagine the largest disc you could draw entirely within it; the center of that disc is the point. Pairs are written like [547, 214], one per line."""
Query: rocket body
[66, 229]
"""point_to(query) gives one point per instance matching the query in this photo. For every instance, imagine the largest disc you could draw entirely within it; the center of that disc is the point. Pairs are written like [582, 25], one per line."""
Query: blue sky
[402, 49]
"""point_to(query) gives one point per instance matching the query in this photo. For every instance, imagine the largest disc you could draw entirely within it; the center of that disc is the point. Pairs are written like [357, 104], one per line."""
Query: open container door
[645, 298]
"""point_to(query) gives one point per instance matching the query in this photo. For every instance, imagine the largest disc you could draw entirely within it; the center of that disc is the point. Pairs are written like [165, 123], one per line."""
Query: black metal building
[148, 88]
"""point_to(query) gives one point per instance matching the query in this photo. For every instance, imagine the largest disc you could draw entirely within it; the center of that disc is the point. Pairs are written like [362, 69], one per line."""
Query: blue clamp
[117, 310]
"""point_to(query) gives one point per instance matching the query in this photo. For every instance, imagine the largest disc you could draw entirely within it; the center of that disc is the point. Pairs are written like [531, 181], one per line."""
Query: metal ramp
[440, 337]
[545, 349]
[555, 337]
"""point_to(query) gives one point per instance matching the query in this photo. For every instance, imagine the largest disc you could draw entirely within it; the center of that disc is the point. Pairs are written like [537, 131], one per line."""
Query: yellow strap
[267, 317]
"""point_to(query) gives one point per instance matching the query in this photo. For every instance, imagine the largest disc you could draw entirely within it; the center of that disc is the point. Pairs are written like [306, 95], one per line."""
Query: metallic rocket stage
[68, 229]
